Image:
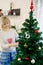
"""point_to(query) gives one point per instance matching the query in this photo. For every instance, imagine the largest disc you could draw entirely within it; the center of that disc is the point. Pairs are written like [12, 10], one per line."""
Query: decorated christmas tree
[30, 49]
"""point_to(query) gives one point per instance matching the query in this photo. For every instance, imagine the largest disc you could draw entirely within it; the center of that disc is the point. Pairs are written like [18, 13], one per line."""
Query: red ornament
[36, 31]
[11, 12]
[31, 7]
[9, 40]
[27, 58]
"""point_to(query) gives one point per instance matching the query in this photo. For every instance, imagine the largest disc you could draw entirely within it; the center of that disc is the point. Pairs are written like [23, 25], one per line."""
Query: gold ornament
[25, 45]
[39, 48]
[19, 59]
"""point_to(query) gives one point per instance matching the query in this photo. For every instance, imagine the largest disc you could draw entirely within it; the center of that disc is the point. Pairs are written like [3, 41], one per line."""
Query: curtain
[39, 13]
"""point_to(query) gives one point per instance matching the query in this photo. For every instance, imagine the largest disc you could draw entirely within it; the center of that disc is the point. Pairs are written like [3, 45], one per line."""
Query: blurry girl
[9, 37]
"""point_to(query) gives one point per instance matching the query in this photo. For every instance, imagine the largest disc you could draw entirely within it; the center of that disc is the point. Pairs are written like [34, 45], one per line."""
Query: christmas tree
[30, 49]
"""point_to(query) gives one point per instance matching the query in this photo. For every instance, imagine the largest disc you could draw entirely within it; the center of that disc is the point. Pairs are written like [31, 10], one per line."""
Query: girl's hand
[17, 43]
[14, 44]
[10, 45]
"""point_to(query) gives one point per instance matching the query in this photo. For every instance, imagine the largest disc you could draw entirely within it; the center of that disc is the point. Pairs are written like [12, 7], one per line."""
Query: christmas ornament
[11, 12]
[25, 45]
[19, 59]
[39, 48]
[27, 35]
[32, 61]
[27, 58]
[31, 7]
[36, 31]
[9, 40]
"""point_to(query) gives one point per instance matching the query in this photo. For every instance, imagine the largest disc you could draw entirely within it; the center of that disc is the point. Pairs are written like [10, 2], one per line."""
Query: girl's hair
[5, 20]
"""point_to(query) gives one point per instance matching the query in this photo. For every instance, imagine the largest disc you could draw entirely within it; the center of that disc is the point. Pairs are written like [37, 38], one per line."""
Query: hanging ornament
[31, 7]
[36, 31]
[10, 12]
[32, 61]
[19, 59]
[27, 35]
[25, 45]
[39, 48]
[27, 58]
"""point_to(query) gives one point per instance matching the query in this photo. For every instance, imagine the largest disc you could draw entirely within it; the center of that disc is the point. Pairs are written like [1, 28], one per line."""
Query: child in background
[9, 37]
